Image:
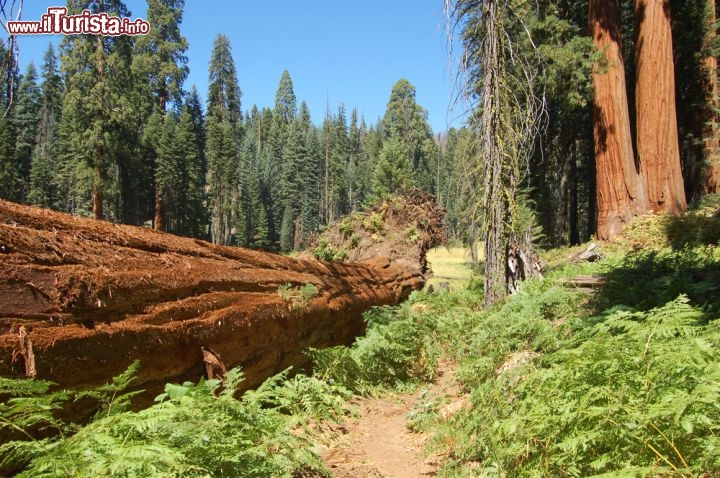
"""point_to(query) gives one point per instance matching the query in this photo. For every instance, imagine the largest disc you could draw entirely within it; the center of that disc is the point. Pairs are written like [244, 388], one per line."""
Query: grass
[621, 383]
[451, 265]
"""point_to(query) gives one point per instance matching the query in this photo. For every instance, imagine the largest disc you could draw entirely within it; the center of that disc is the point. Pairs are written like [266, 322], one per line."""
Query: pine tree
[223, 139]
[192, 211]
[97, 110]
[223, 88]
[248, 181]
[43, 171]
[179, 174]
[372, 143]
[193, 104]
[160, 60]
[352, 172]
[269, 174]
[27, 111]
[309, 176]
[222, 154]
[393, 170]
[300, 187]
[406, 121]
[501, 68]
[9, 172]
[285, 101]
[340, 163]
[294, 157]
[335, 153]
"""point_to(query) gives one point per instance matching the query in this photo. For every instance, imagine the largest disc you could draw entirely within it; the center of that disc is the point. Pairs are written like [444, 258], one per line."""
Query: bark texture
[81, 299]
[494, 189]
[657, 134]
[620, 188]
[711, 132]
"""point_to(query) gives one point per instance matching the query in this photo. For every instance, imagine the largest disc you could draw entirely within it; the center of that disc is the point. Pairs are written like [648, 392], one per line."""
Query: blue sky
[349, 51]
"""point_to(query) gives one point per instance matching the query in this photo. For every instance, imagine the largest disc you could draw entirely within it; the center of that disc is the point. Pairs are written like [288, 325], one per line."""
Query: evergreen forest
[587, 120]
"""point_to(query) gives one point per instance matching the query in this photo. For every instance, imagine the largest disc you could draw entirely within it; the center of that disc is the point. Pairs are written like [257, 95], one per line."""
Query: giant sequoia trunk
[657, 134]
[81, 299]
[620, 189]
[711, 132]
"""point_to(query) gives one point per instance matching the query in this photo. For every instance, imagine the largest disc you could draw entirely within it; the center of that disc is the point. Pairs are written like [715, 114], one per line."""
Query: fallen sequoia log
[81, 299]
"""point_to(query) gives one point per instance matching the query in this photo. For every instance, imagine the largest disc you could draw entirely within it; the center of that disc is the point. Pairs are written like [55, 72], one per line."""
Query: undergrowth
[624, 382]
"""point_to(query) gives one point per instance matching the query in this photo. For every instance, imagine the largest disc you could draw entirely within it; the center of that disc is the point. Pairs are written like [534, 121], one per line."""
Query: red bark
[620, 189]
[711, 132]
[81, 299]
[159, 210]
[97, 193]
[657, 134]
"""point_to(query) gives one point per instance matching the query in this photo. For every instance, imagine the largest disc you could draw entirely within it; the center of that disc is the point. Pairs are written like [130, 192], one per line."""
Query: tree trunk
[159, 222]
[159, 210]
[657, 135]
[494, 201]
[97, 194]
[93, 296]
[620, 190]
[591, 193]
[711, 132]
[574, 208]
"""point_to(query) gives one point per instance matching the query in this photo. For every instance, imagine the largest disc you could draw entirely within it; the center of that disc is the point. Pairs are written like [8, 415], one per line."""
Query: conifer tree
[222, 154]
[268, 210]
[160, 60]
[352, 172]
[310, 201]
[27, 111]
[179, 174]
[657, 131]
[406, 121]
[335, 153]
[192, 211]
[393, 170]
[247, 166]
[223, 89]
[9, 171]
[223, 131]
[97, 107]
[285, 101]
[621, 189]
[194, 107]
[43, 171]
[340, 162]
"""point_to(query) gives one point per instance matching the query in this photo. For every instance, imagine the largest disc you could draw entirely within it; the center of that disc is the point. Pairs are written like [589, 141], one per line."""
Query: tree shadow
[647, 279]
[695, 228]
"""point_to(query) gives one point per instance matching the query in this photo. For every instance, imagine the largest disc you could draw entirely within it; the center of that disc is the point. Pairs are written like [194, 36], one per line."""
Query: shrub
[374, 223]
[300, 297]
[326, 252]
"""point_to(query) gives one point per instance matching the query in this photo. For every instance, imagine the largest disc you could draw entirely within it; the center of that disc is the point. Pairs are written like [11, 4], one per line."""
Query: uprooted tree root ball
[402, 228]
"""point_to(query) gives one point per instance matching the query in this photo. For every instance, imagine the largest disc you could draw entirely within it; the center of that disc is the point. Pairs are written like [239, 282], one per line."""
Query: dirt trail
[378, 442]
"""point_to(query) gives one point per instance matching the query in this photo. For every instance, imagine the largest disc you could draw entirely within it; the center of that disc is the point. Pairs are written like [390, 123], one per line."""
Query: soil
[403, 228]
[82, 299]
[378, 443]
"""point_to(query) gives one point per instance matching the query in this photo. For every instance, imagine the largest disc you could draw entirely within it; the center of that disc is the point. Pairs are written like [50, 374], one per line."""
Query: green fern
[190, 432]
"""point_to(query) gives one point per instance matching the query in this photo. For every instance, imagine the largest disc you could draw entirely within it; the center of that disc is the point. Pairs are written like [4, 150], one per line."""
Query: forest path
[378, 443]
